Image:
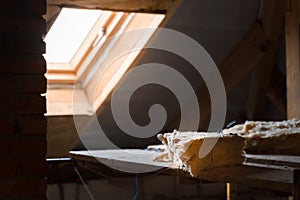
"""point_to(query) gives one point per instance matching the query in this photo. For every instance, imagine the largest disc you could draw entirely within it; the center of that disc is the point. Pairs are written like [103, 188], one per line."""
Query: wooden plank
[272, 18]
[123, 5]
[274, 160]
[277, 179]
[273, 179]
[131, 160]
[292, 61]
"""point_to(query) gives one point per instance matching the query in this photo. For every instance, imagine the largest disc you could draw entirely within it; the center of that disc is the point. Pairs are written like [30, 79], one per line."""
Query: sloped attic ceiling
[217, 25]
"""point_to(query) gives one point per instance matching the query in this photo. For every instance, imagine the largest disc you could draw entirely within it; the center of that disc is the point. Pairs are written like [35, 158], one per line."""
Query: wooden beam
[243, 57]
[239, 62]
[259, 176]
[273, 160]
[167, 7]
[292, 61]
[272, 21]
[118, 5]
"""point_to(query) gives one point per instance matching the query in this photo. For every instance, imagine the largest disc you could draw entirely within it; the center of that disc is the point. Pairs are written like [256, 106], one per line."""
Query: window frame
[63, 77]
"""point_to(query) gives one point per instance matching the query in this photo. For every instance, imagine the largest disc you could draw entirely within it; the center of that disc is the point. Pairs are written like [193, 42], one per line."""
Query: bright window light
[69, 31]
[80, 45]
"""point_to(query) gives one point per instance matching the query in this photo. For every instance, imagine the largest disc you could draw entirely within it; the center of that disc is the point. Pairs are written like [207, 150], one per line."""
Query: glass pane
[68, 32]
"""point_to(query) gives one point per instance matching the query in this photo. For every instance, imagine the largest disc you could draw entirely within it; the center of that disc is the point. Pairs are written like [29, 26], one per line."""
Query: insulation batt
[185, 149]
[196, 151]
[273, 137]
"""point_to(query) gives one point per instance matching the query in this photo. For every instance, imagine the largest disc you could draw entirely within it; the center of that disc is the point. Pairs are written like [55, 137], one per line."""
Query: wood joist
[117, 5]
[148, 6]
[292, 58]
[272, 22]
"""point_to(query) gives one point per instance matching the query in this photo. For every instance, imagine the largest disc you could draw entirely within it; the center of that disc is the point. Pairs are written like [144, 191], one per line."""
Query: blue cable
[136, 188]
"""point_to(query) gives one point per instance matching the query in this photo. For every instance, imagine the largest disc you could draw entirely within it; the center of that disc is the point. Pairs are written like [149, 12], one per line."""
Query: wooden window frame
[63, 77]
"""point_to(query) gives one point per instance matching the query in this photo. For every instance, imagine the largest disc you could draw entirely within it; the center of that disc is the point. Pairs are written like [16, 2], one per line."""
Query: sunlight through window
[67, 34]
[79, 47]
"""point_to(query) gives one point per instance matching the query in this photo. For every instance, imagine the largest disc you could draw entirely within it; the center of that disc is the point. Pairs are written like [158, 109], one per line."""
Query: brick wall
[22, 121]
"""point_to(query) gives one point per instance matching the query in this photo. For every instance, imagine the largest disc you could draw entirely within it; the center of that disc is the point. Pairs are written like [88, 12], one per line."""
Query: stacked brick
[22, 107]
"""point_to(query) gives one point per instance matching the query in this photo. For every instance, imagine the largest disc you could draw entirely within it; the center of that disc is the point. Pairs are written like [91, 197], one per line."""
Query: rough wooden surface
[292, 60]
[274, 160]
[273, 178]
[129, 160]
[272, 18]
[122, 5]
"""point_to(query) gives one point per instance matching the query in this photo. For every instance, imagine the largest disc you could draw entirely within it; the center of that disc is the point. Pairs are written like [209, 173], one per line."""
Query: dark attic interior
[149, 99]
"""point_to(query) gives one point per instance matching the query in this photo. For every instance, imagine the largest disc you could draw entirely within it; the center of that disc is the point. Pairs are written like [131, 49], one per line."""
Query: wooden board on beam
[167, 7]
[277, 179]
[274, 160]
[118, 5]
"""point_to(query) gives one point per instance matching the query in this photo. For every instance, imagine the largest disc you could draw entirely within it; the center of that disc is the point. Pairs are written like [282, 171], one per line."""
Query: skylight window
[79, 46]
[67, 34]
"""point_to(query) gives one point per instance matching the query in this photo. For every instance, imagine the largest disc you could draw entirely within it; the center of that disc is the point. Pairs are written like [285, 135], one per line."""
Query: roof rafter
[120, 5]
